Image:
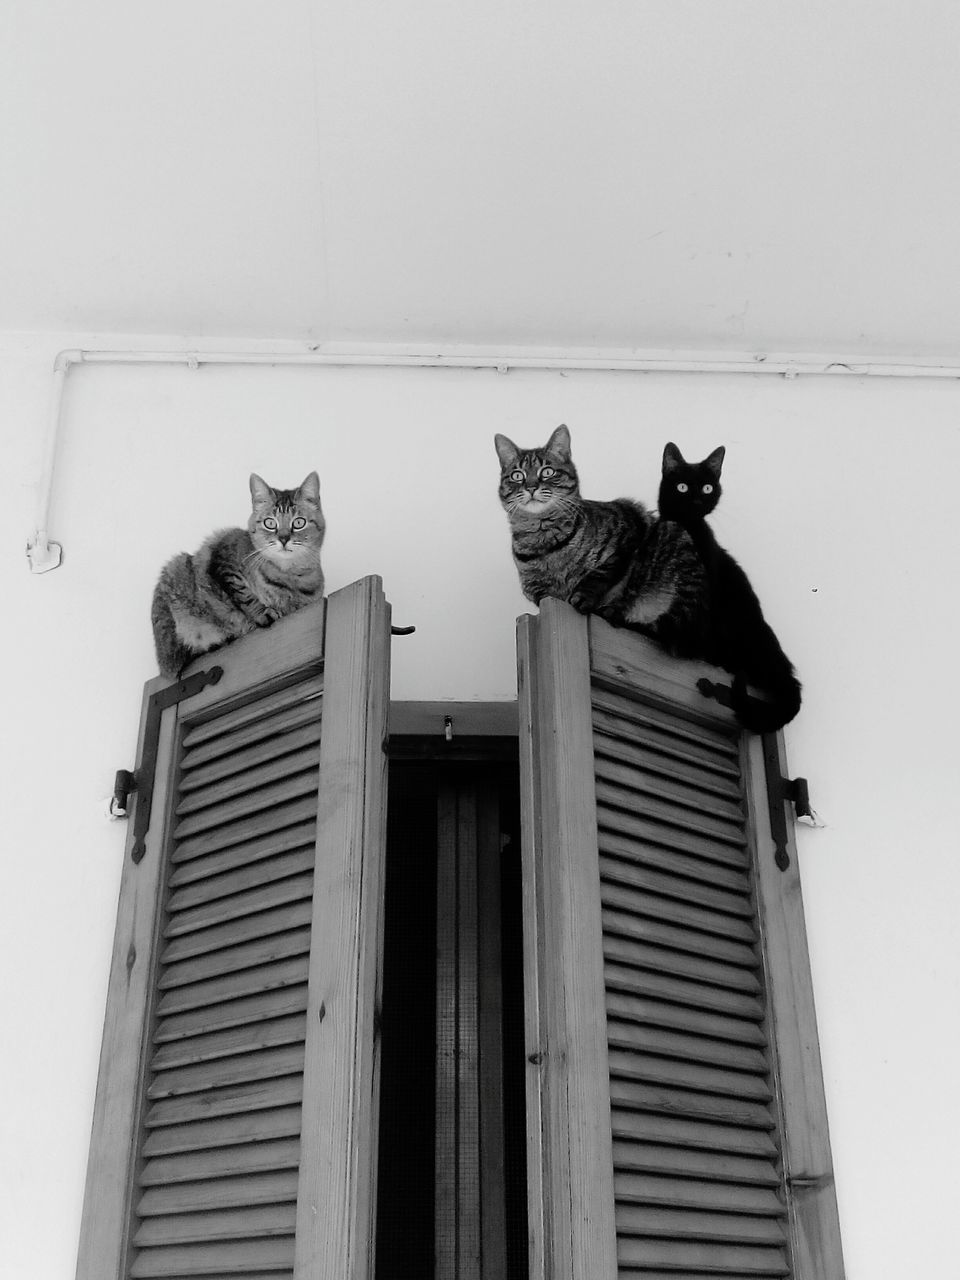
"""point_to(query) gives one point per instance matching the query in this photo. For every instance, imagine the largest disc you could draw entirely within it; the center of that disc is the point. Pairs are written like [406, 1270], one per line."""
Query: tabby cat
[742, 642]
[241, 579]
[614, 558]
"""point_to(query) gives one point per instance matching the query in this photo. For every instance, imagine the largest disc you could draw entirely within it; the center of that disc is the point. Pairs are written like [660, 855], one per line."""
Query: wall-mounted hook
[123, 784]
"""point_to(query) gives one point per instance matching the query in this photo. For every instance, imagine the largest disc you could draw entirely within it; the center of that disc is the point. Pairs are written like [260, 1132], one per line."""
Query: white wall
[626, 173]
[839, 500]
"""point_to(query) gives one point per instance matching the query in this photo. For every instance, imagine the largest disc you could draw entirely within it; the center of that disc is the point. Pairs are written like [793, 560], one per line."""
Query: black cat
[741, 641]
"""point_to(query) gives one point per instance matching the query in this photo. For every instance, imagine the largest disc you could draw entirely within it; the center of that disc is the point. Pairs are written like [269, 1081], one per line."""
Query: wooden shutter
[234, 1126]
[676, 1121]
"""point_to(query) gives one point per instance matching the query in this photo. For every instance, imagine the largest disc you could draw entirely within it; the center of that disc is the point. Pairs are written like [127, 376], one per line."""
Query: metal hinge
[142, 781]
[780, 792]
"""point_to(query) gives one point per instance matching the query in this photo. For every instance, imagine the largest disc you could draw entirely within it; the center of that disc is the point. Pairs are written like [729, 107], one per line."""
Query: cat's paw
[584, 601]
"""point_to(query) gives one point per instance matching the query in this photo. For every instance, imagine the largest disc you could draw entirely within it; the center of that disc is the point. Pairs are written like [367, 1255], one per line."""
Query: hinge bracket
[780, 792]
[142, 781]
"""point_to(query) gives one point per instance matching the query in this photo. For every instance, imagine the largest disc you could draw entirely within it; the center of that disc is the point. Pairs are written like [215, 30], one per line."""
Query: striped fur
[241, 579]
[614, 559]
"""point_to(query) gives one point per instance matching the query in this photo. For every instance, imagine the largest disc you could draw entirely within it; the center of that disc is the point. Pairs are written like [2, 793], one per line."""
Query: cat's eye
[269, 522]
[518, 476]
[682, 488]
[299, 523]
[546, 473]
[707, 488]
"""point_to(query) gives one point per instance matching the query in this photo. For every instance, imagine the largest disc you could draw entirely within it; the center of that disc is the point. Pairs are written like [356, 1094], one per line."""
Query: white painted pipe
[44, 555]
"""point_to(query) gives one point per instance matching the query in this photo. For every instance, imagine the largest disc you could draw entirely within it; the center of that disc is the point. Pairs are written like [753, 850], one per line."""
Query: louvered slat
[256, 1096]
[221, 1137]
[195, 1197]
[697, 1176]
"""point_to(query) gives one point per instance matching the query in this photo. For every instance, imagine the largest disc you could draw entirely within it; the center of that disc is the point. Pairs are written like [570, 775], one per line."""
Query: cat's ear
[672, 458]
[507, 451]
[310, 489]
[260, 491]
[715, 461]
[559, 443]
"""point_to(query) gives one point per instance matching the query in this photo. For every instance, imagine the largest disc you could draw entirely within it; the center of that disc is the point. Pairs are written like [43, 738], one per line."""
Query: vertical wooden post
[337, 1193]
[109, 1185]
[565, 983]
[808, 1164]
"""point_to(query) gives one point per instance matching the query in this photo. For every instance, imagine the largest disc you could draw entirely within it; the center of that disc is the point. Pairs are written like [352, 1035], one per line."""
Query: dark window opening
[451, 1198]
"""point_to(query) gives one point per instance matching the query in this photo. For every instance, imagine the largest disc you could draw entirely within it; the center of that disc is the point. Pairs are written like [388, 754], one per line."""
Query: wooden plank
[643, 854]
[631, 711]
[274, 1003]
[222, 1162]
[258, 1095]
[668, 786]
[268, 740]
[251, 902]
[627, 1064]
[808, 1164]
[298, 836]
[579, 1233]
[337, 1196]
[691, 1048]
[249, 831]
[198, 1197]
[247, 782]
[723, 928]
[671, 815]
[675, 1131]
[231, 1258]
[246, 955]
[290, 707]
[240, 879]
[225, 1044]
[688, 1162]
[628, 924]
[251, 1222]
[683, 1224]
[680, 1193]
[620, 741]
[655, 1273]
[664, 884]
[717, 1259]
[697, 995]
[107, 1193]
[627, 659]
[689, 1104]
[618, 735]
[268, 798]
[628, 949]
[280, 920]
[262, 667]
[659, 1013]
[649, 831]
[534, 905]
[234, 986]
[224, 1073]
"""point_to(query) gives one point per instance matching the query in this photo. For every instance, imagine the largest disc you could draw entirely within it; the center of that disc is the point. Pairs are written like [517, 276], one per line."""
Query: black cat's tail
[783, 694]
